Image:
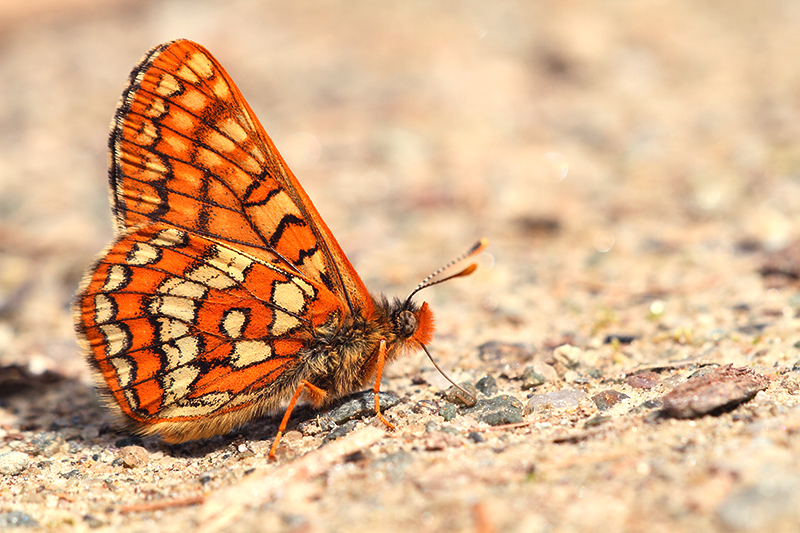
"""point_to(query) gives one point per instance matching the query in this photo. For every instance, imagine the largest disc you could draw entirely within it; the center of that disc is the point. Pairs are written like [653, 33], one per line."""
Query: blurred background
[632, 163]
[598, 144]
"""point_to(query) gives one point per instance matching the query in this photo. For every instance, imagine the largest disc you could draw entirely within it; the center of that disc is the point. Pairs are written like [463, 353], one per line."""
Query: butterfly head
[414, 324]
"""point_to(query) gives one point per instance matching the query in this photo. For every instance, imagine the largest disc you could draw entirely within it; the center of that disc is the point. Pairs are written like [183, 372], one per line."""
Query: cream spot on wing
[200, 63]
[132, 398]
[169, 237]
[231, 263]
[178, 382]
[218, 142]
[258, 154]
[194, 100]
[248, 164]
[147, 134]
[182, 120]
[174, 307]
[288, 295]
[211, 277]
[180, 287]
[156, 109]
[305, 286]
[209, 159]
[154, 164]
[221, 89]
[169, 329]
[118, 277]
[194, 407]
[180, 145]
[184, 72]
[117, 339]
[181, 351]
[123, 370]
[103, 309]
[232, 129]
[282, 323]
[168, 85]
[142, 254]
[233, 322]
[248, 352]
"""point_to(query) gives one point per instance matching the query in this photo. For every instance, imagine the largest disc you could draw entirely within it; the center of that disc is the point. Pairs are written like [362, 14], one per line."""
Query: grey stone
[356, 406]
[503, 409]
[16, 519]
[531, 378]
[487, 386]
[14, 463]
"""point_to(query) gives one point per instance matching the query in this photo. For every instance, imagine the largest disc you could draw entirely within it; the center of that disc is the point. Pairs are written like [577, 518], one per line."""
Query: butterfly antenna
[431, 280]
[472, 400]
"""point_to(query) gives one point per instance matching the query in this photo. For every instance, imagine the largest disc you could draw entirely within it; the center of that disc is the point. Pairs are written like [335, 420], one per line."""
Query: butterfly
[224, 294]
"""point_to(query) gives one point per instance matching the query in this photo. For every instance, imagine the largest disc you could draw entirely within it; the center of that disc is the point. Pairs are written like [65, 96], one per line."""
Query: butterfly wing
[190, 334]
[187, 150]
[222, 269]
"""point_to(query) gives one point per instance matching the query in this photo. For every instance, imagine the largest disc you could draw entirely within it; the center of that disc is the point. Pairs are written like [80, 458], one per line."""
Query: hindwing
[180, 326]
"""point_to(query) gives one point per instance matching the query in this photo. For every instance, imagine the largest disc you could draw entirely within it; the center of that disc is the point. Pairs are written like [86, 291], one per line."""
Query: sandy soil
[634, 165]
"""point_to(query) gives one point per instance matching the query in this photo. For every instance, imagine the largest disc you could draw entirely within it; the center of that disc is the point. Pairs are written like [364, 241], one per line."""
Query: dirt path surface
[635, 167]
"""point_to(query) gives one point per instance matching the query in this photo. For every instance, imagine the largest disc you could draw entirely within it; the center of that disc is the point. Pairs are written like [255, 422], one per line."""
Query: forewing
[187, 150]
[183, 328]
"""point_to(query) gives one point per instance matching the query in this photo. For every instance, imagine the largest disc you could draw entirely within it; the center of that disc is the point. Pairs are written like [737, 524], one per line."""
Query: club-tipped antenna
[431, 280]
[472, 400]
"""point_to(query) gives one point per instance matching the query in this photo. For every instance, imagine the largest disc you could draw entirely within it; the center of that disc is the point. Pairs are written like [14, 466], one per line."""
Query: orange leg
[377, 389]
[317, 395]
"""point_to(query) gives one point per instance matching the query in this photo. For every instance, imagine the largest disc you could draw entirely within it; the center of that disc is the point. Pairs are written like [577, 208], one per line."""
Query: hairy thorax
[342, 357]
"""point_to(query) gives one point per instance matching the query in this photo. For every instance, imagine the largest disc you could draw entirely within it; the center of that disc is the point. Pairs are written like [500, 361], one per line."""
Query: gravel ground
[632, 331]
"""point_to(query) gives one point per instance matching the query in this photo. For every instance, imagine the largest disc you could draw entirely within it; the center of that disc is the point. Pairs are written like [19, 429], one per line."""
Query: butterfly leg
[377, 389]
[316, 394]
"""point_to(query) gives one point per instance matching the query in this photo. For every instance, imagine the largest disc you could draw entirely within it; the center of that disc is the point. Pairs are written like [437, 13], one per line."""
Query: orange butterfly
[224, 293]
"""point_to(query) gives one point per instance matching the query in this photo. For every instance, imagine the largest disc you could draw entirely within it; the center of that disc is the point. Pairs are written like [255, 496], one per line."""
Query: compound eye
[407, 323]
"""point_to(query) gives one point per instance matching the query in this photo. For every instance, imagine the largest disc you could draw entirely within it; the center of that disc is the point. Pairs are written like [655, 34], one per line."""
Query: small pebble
[531, 378]
[503, 409]
[448, 412]
[607, 399]
[354, 406]
[568, 355]
[90, 432]
[504, 355]
[643, 380]
[133, 456]
[457, 396]
[790, 385]
[14, 463]
[719, 390]
[476, 437]
[596, 421]
[558, 400]
[427, 407]
[487, 386]
[342, 430]
[621, 339]
[46, 444]
[92, 521]
[16, 519]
